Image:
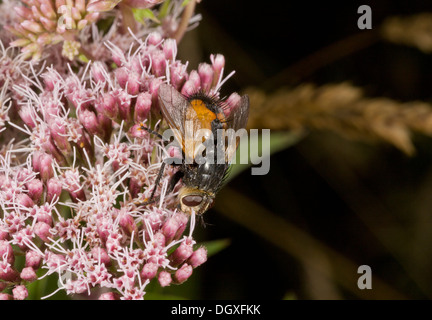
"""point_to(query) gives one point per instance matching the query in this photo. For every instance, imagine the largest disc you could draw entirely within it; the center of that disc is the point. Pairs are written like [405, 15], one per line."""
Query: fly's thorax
[195, 200]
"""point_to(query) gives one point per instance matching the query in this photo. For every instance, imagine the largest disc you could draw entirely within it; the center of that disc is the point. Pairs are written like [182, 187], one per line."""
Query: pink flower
[71, 193]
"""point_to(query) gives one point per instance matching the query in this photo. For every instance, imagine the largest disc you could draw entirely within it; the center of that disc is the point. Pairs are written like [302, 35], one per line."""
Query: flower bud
[54, 189]
[158, 63]
[42, 230]
[182, 274]
[164, 278]
[6, 251]
[20, 292]
[46, 169]
[170, 49]
[32, 259]
[122, 76]
[28, 274]
[183, 252]
[149, 271]
[133, 83]
[198, 257]
[101, 255]
[99, 71]
[142, 106]
[218, 64]
[5, 296]
[35, 189]
[109, 296]
[127, 222]
[206, 74]
[154, 38]
[25, 201]
[109, 105]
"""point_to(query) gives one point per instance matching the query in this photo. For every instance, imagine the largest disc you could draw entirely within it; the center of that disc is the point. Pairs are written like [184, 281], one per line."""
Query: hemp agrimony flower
[74, 160]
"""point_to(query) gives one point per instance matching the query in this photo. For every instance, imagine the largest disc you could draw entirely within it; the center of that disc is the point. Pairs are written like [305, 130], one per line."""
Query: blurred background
[350, 179]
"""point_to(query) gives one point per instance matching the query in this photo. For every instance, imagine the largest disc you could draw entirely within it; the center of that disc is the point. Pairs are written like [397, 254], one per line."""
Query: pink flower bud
[5, 296]
[133, 83]
[154, 39]
[109, 105]
[42, 230]
[182, 274]
[218, 63]
[178, 75]
[101, 255]
[48, 24]
[198, 257]
[89, 121]
[99, 72]
[20, 292]
[195, 78]
[7, 273]
[154, 88]
[101, 6]
[122, 76]
[28, 274]
[164, 279]
[35, 189]
[37, 155]
[159, 238]
[58, 133]
[149, 271]
[4, 235]
[158, 63]
[46, 169]
[183, 252]
[23, 12]
[123, 100]
[182, 220]
[6, 250]
[54, 189]
[32, 26]
[32, 259]
[169, 229]
[127, 222]
[142, 106]
[109, 296]
[47, 10]
[189, 88]
[232, 103]
[206, 74]
[27, 115]
[25, 201]
[170, 49]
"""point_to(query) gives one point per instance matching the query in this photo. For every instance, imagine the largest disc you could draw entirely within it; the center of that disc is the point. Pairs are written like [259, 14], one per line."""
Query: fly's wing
[174, 107]
[237, 121]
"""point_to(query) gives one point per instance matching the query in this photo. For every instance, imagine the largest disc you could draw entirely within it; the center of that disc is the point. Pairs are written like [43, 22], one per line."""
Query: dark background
[343, 203]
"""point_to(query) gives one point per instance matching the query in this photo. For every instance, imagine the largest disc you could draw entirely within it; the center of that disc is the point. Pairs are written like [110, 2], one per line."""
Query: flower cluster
[76, 167]
[40, 24]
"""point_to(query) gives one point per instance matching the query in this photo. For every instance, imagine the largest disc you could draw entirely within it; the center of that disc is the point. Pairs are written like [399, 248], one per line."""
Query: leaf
[141, 14]
[163, 11]
[216, 246]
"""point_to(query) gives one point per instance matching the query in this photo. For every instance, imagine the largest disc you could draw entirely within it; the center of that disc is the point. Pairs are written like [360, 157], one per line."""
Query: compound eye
[192, 200]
